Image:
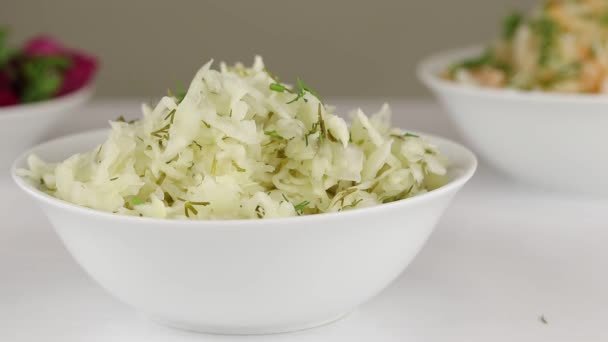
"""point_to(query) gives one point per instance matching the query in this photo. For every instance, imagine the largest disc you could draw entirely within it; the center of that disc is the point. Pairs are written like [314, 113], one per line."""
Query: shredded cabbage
[560, 46]
[240, 144]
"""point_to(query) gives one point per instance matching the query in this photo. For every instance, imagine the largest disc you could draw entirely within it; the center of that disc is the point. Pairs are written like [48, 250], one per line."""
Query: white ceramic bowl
[557, 141]
[246, 276]
[23, 126]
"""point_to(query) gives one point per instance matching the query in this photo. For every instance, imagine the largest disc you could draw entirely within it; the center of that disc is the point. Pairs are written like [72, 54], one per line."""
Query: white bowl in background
[25, 125]
[246, 276]
[557, 141]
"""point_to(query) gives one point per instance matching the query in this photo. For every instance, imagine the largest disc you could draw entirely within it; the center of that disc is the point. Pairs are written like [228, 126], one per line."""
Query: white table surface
[502, 256]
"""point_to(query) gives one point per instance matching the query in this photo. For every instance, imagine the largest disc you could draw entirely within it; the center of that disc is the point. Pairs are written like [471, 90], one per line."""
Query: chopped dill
[189, 207]
[162, 133]
[301, 206]
[260, 212]
[161, 178]
[170, 116]
[352, 204]
[237, 167]
[274, 134]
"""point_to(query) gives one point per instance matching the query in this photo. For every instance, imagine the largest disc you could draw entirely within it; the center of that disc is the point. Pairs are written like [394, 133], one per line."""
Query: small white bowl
[22, 126]
[246, 276]
[553, 140]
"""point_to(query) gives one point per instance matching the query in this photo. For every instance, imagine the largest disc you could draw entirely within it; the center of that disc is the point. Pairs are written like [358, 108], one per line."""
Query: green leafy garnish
[260, 212]
[168, 199]
[161, 178]
[175, 158]
[486, 59]
[273, 134]
[604, 19]
[6, 53]
[278, 87]
[162, 133]
[547, 30]
[42, 77]
[410, 135]
[179, 94]
[302, 90]
[301, 206]
[399, 196]
[321, 121]
[122, 119]
[304, 87]
[562, 73]
[197, 144]
[511, 24]
[189, 207]
[353, 204]
[237, 167]
[136, 201]
[170, 116]
[213, 166]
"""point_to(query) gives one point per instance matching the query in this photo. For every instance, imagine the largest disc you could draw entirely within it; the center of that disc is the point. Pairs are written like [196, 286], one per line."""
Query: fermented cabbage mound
[239, 144]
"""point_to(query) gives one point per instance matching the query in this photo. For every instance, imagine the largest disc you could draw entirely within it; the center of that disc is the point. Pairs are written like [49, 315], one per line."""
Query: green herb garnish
[486, 59]
[162, 133]
[353, 204]
[274, 134]
[170, 116]
[161, 178]
[168, 199]
[213, 166]
[546, 29]
[197, 144]
[180, 93]
[237, 167]
[279, 88]
[321, 122]
[6, 53]
[285, 198]
[301, 206]
[511, 24]
[302, 90]
[172, 159]
[604, 19]
[42, 76]
[260, 212]
[136, 201]
[122, 119]
[189, 207]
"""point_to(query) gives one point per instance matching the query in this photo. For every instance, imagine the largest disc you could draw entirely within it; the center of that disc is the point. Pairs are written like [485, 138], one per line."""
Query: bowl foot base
[236, 330]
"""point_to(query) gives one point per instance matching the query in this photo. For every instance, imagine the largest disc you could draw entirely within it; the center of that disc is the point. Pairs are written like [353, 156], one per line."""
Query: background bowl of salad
[534, 104]
[40, 84]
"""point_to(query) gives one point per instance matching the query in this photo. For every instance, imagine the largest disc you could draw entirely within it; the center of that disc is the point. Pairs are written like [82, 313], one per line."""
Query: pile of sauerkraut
[241, 144]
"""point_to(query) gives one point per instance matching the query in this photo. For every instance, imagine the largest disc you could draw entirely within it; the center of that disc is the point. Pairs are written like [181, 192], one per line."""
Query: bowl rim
[468, 159]
[56, 103]
[427, 71]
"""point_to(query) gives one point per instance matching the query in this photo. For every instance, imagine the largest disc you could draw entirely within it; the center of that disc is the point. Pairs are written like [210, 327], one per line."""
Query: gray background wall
[341, 48]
